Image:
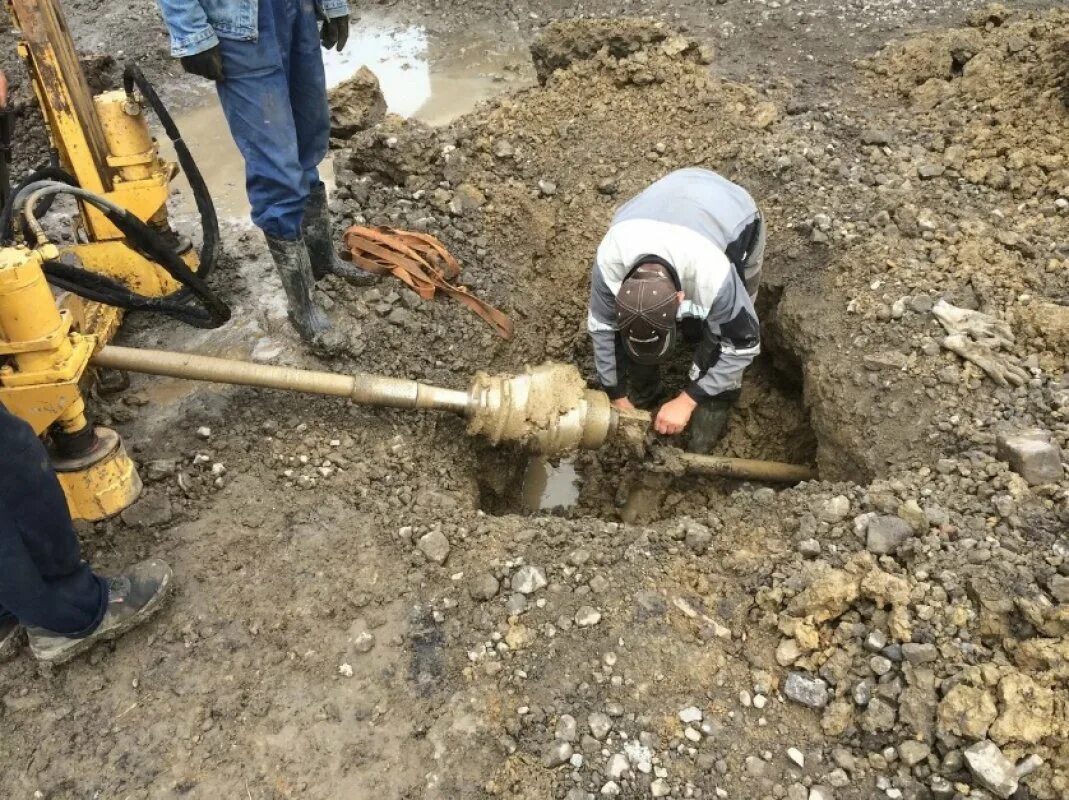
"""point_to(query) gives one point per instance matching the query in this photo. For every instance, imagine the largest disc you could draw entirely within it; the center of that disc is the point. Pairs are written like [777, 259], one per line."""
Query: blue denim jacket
[197, 25]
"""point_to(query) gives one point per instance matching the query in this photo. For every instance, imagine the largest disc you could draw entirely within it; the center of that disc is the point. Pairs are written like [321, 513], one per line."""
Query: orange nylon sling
[421, 262]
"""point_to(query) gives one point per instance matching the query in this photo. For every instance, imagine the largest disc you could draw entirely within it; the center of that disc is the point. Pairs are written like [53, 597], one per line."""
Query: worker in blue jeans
[46, 588]
[265, 58]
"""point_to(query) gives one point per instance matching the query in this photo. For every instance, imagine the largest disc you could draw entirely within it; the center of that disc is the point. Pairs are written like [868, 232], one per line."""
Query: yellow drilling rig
[61, 304]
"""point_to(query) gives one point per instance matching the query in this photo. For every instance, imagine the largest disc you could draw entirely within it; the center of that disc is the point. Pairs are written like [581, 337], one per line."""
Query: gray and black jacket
[702, 225]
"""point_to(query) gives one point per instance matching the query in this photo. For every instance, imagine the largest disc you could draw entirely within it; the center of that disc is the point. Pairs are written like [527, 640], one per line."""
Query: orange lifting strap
[421, 262]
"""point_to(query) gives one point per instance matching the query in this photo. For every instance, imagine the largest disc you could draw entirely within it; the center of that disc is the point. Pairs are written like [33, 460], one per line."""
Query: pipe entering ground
[547, 409]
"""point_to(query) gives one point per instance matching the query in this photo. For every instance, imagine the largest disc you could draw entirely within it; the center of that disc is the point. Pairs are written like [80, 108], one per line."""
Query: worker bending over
[683, 257]
[264, 56]
[45, 587]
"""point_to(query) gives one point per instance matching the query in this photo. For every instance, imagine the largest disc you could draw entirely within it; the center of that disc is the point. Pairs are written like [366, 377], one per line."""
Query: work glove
[207, 64]
[976, 324]
[998, 366]
[335, 33]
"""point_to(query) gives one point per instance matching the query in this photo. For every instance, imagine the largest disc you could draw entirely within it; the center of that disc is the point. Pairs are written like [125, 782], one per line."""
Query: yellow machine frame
[46, 341]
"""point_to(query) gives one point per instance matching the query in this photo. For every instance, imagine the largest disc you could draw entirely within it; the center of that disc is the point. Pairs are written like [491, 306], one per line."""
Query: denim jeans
[43, 580]
[275, 101]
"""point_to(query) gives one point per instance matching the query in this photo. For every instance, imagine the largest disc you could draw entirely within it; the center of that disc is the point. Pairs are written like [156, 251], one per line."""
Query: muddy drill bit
[546, 409]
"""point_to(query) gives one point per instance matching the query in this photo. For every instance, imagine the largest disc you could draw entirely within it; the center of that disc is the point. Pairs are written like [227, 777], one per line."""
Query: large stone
[556, 754]
[827, 597]
[1027, 711]
[356, 104]
[528, 579]
[435, 546]
[966, 711]
[806, 689]
[835, 509]
[483, 586]
[913, 752]
[886, 534]
[1032, 455]
[879, 716]
[992, 770]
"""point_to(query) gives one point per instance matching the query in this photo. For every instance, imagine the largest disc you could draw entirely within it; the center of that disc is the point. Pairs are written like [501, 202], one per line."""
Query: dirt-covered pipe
[746, 469]
[370, 390]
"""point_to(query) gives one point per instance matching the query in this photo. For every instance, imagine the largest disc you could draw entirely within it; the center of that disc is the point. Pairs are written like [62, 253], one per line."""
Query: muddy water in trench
[547, 485]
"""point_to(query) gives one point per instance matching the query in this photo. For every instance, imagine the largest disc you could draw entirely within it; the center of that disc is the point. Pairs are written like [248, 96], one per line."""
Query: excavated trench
[770, 422]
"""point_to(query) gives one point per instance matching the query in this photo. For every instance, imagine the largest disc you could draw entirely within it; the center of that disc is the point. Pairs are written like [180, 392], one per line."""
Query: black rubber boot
[319, 236]
[133, 597]
[708, 424]
[295, 270]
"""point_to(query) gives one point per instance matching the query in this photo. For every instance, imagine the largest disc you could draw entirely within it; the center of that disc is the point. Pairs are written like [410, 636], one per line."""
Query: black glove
[207, 64]
[335, 33]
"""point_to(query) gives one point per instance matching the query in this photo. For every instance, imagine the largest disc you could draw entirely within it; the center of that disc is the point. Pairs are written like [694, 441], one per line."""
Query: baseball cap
[646, 313]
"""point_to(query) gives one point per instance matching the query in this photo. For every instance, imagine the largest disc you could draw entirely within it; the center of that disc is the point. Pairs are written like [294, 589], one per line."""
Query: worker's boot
[295, 270]
[10, 638]
[319, 235]
[708, 424]
[133, 597]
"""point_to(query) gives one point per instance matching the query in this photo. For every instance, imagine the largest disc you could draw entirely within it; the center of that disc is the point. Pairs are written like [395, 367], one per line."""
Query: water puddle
[547, 486]
[426, 76]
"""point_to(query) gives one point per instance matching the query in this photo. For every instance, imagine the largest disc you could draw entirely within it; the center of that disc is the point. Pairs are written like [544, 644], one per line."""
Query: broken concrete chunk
[1032, 455]
[992, 770]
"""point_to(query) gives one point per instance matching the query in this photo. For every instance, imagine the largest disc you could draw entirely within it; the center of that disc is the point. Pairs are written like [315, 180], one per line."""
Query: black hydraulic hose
[50, 172]
[49, 181]
[209, 220]
[143, 238]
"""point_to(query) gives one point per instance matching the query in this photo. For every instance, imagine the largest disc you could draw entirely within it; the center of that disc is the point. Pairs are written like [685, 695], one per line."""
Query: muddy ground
[365, 607]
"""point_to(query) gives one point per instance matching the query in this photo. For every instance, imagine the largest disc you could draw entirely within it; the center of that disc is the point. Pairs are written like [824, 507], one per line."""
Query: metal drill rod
[362, 389]
[525, 409]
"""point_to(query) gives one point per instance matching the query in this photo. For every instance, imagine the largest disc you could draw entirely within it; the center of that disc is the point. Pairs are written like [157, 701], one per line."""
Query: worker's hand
[674, 415]
[623, 404]
[335, 33]
[207, 64]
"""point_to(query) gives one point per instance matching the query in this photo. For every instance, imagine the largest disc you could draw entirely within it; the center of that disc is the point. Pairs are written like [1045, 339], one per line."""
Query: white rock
[346, 670]
[587, 617]
[528, 579]
[796, 755]
[690, 714]
[991, 768]
[599, 725]
[692, 735]
[835, 509]
[610, 789]
[204, 432]
[660, 788]
[618, 766]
